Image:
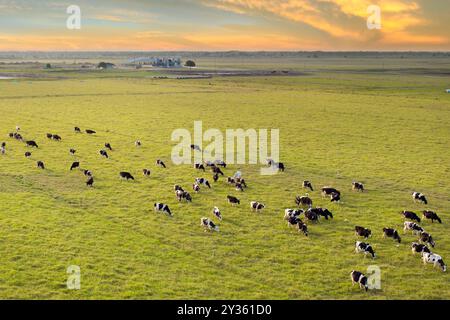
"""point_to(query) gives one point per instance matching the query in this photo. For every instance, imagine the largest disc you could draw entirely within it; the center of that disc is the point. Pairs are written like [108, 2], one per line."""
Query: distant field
[387, 129]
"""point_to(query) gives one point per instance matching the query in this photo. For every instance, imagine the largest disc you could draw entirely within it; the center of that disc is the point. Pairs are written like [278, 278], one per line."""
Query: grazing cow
[160, 163]
[195, 147]
[196, 187]
[18, 136]
[199, 166]
[302, 227]
[56, 137]
[103, 153]
[417, 196]
[238, 187]
[425, 237]
[126, 175]
[293, 220]
[87, 173]
[231, 180]
[241, 181]
[27, 154]
[74, 165]
[3, 148]
[233, 200]
[307, 184]
[322, 212]
[72, 151]
[90, 182]
[208, 224]
[358, 186]
[335, 197]
[414, 227]
[365, 248]
[32, 143]
[288, 213]
[146, 172]
[217, 213]
[203, 181]
[431, 215]
[11, 135]
[17, 128]
[419, 248]
[435, 259]
[363, 232]
[410, 215]
[162, 208]
[277, 165]
[177, 187]
[89, 131]
[108, 146]
[49, 135]
[303, 201]
[359, 278]
[257, 206]
[215, 177]
[137, 143]
[391, 233]
[220, 163]
[183, 195]
[216, 170]
[78, 130]
[328, 191]
[311, 215]
[40, 165]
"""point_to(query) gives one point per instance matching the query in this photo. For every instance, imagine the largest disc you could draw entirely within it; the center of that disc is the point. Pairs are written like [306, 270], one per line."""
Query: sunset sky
[225, 25]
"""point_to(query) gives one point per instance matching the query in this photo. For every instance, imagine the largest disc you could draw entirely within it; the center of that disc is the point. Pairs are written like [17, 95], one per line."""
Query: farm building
[161, 62]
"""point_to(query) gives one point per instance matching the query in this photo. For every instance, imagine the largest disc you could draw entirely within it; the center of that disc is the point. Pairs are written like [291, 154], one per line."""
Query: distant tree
[190, 64]
[105, 65]
[48, 66]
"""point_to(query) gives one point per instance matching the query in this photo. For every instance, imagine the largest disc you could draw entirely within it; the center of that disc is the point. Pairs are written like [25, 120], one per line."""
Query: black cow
[410, 215]
[303, 201]
[322, 212]
[77, 129]
[49, 135]
[215, 177]
[103, 153]
[32, 143]
[431, 215]
[89, 131]
[56, 137]
[90, 182]
[146, 172]
[40, 165]
[233, 200]
[419, 248]
[327, 191]
[126, 175]
[363, 232]
[74, 165]
[108, 146]
[425, 237]
[307, 184]
[391, 233]
[199, 166]
[417, 196]
[160, 163]
[359, 278]
[177, 187]
[27, 154]
[216, 170]
[311, 215]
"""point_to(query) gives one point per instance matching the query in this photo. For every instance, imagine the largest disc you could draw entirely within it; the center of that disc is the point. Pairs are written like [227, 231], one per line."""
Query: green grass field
[390, 131]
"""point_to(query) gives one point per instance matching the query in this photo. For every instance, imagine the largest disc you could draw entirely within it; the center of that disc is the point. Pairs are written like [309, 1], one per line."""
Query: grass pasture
[389, 131]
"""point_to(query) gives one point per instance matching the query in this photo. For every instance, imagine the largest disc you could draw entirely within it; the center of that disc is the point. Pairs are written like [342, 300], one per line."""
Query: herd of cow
[292, 216]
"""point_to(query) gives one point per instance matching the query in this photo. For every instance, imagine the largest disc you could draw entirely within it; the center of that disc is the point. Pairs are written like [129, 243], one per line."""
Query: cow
[17, 136]
[161, 207]
[239, 187]
[209, 163]
[233, 200]
[419, 248]
[87, 173]
[183, 195]
[160, 163]
[414, 227]
[208, 224]
[303, 201]
[277, 165]
[76, 129]
[231, 180]
[311, 215]
[359, 278]
[137, 143]
[417, 196]
[49, 136]
[358, 186]
[199, 166]
[435, 259]
[363, 232]
[3, 148]
[241, 181]
[103, 153]
[327, 191]
[27, 154]
[72, 151]
[40, 165]
[431, 215]
[217, 213]
[56, 137]
[410, 215]
[90, 182]
[302, 227]
[215, 177]
[365, 248]
[74, 165]
[425, 237]
[257, 206]
[32, 144]
[203, 181]
[216, 170]
[17, 128]
[89, 131]
[288, 213]
[196, 187]
[177, 187]
[335, 197]
[126, 175]
[307, 185]
[11, 135]
[322, 212]
[146, 172]
[293, 220]
[391, 233]
[108, 146]
[220, 163]
[195, 147]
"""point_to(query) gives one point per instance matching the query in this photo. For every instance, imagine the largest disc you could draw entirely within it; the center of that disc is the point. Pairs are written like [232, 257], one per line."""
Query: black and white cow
[87, 173]
[307, 185]
[146, 172]
[303, 201]
[203, 181]
[27, 154]
[89, 131]
[363, 232]
[183, 195]
[90, 182]
[74, 165]
[108, 146]
[419, 248]
[32, 144]
[76, 129]
[162, 208]
[217, 213]
[126, 175]
[302, 227]
[196, 187]
[359, 278]
[216, 170]
[435, 259]
[231, 180]
[138, 143]
[327, 191]
[238, 187]
[208, 224]
[335, 197]
[40, 165]
[364, 248]
[215, 177]
[391, 233]
[257, 206]
[199, 166]
[358, 186]
[241, 181]
[3, 148]
[49, 135]
[426, 238]
[103, 153]
[417, 196]
[220, 163]
[410, 215]
[56, 137]
[17, 136]
[160, 163]
[177, 187]
[233, 200]
[412, 226]
[72, 151]
[277, 165]
[312, 215]
[431, 215]
[288, 213]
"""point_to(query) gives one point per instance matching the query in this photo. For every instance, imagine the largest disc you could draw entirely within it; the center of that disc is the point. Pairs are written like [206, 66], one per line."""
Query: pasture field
[389, 131]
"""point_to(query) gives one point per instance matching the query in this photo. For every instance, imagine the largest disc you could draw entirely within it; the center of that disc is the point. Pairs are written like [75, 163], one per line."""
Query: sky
[219, 25]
